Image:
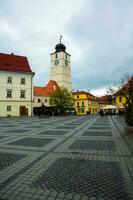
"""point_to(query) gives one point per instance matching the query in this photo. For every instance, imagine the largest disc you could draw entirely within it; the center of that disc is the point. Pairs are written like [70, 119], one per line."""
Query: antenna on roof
[60, 38]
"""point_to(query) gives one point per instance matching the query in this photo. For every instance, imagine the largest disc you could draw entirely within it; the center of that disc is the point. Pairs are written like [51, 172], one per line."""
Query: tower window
[66, 56]
[66, 63]
[56, 55]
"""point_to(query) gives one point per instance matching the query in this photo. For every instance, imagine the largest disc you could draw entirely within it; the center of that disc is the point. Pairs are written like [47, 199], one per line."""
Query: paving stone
[52, 132]
[17, 131]
[102, 145]
[32, 142]
[7, 159]
[97, 133]
[82, 177]
[2, 137]
[65, 127]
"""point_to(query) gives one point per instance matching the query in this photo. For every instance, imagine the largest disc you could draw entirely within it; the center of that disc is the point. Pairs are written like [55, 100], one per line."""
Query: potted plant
[129, 109]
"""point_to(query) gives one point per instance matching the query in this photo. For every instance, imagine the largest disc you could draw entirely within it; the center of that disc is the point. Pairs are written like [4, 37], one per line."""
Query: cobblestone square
[61, 158]
[89, 178]
[7, 159]
[32, 142]
[97, 145]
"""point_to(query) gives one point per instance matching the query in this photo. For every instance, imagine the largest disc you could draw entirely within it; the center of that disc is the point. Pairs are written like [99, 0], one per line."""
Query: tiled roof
[14, 63]
[84, 92]
[124, 90]
[47, 90]
[103, 100]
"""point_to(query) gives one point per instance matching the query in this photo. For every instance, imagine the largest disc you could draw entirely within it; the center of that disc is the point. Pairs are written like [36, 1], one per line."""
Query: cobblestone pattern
[98, 145]
[32, 142]
[53, 132]
[90, 178]
[7, 159]
[97, 133]
[78, 161]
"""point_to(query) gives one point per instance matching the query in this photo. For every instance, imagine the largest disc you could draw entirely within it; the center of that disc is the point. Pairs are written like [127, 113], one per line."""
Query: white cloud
[97, 34]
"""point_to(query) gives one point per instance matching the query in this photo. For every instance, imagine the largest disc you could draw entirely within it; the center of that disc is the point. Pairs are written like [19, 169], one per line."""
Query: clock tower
[60, 66]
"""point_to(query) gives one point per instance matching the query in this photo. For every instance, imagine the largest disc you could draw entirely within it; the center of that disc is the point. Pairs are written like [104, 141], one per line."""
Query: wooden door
[23, 111]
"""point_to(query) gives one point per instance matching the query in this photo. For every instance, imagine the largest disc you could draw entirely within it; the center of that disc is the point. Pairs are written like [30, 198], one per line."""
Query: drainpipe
[32, 93]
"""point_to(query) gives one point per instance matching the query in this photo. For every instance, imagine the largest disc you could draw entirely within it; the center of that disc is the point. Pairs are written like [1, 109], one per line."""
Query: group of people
[110, 112]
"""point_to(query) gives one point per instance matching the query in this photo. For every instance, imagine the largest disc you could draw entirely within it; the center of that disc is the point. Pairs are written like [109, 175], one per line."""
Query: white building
[16, 90]
[60, 67]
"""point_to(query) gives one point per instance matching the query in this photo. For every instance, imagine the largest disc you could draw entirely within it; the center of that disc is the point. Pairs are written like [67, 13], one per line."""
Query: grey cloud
[98, 35]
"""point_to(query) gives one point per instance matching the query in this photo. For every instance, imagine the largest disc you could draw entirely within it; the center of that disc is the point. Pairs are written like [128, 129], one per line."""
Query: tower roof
[60, 47]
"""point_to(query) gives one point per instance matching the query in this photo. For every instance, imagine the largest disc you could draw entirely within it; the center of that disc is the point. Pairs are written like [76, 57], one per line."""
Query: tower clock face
[56, 62]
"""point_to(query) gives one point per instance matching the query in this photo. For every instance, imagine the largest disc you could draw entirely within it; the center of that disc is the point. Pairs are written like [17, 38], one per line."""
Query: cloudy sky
[97, 33]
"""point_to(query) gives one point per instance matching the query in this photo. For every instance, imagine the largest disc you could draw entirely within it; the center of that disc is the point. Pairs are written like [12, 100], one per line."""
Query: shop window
[82, 110]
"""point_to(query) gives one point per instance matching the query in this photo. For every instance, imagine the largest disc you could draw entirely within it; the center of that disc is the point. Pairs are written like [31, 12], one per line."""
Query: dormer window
[56, 55]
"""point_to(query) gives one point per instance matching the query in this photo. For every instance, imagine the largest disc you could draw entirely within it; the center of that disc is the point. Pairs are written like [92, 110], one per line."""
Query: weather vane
[60, 38]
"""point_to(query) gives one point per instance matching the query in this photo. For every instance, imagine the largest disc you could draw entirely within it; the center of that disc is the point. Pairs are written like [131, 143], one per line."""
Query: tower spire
[60, 38]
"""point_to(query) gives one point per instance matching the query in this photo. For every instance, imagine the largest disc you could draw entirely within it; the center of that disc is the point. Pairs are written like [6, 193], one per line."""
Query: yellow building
[120, 97]
[85, 103]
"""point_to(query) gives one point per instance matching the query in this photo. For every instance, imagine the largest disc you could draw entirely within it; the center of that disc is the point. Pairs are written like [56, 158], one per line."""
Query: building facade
[42, 94]
[16, 86]
[61, 67]
[85, 103]
[102, 102]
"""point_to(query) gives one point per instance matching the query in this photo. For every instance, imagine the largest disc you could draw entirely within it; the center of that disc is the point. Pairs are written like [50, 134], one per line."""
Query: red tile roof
[14, 63]
[125, 89]
[47, 90]
[103, 100]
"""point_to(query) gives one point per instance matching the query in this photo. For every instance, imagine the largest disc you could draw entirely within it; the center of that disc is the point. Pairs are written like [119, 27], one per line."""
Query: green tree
[129, 104]
[62, 99]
